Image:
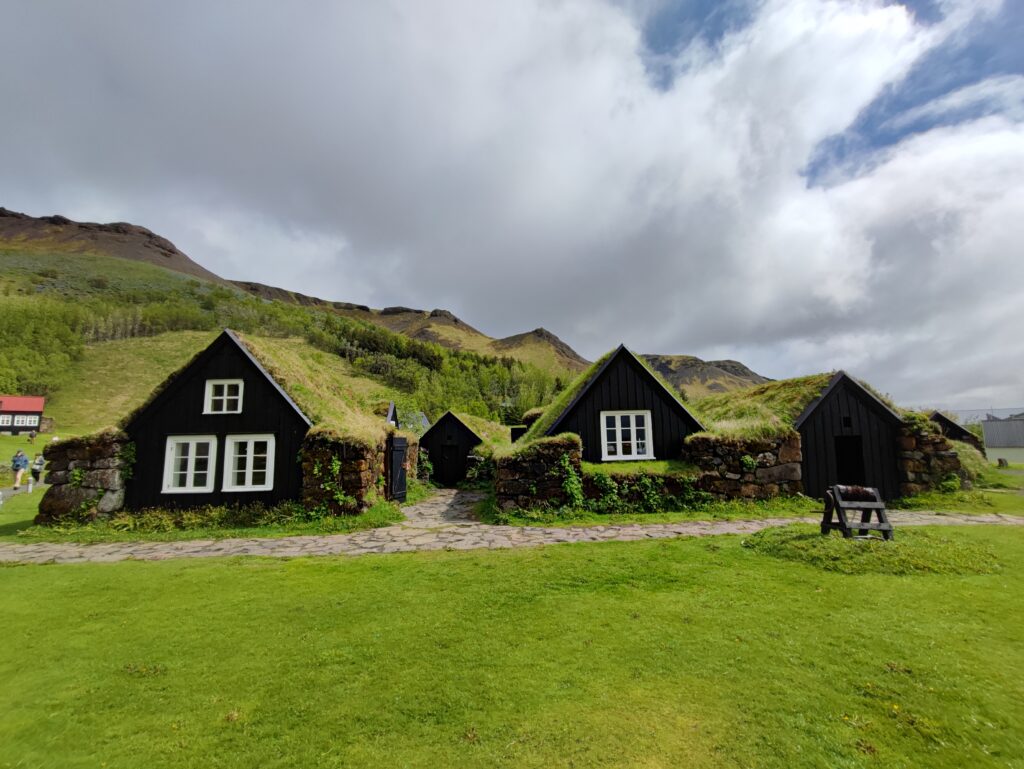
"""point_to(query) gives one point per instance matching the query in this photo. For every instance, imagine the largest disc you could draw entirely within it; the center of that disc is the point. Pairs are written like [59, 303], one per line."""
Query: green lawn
[651, 467]
[679, 653]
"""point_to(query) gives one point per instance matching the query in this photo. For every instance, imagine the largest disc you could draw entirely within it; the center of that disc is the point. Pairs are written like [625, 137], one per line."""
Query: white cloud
[514, 163]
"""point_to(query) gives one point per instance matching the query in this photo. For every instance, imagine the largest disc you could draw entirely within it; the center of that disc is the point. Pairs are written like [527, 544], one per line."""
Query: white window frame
[208, 398]
[211, 472]
[5, 420]
[648, 432]
[25, 420]
[230, 442]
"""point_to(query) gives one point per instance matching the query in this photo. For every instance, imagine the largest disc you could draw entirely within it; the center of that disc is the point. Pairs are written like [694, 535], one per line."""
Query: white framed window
[5, 419]
[249, 463]
[24, 420]
[223, 396]
[189, 464]
[626, 435]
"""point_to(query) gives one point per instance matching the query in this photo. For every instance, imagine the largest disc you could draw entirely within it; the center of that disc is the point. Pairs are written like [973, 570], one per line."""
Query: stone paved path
[443, 522]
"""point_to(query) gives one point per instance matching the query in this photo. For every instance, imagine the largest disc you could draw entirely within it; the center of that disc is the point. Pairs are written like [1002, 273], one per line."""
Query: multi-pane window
[5, 419]
[25, 420]
[626, 435]
[249, 463]
[223, 396]
[189, 464]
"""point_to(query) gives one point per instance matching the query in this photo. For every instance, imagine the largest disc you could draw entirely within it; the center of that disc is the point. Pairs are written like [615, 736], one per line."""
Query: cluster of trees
[40, 336]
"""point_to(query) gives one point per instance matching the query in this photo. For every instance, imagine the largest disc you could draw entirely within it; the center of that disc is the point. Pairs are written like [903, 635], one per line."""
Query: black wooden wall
[864, 417]
[625, 385]
[448, 443]
[178, 410]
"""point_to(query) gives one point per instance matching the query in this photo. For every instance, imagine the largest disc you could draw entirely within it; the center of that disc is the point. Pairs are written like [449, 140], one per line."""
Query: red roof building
[21, 413]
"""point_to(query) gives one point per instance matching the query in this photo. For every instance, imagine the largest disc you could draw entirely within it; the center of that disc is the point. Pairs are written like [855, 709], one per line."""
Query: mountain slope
[57, 234]
[539, 347]
[26, 242]
[698, 378]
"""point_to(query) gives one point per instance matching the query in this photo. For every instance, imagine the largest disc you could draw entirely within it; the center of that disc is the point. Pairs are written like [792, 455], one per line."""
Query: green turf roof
[566, 398]
[314, 382]
[493, 434]
[772, 409]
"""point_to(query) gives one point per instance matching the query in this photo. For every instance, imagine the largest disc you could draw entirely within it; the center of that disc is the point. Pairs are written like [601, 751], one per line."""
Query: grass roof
[493, 435]
[324, 387]
[766, 410]
[335, 399]
[551, 414]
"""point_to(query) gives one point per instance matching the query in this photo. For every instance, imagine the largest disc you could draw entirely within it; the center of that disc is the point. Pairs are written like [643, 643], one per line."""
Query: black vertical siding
[448, 444]
[867, 420]
[626, 386]
[178, 410]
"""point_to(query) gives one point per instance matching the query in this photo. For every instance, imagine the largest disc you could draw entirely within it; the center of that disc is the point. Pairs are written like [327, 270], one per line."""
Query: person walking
[19, 464]
[38, 463]
[32, 436]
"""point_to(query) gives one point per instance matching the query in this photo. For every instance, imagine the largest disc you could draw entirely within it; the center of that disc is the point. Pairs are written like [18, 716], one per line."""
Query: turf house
[847, 433]
[21, 413]
[452, 440]
[955, 431]
[247, 420]
[621, 410]
[221, 431]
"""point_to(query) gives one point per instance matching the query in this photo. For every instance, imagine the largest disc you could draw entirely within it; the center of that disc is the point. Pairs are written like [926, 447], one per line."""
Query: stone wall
[341, 475]
[533, 477]
[732, 468]
[86, 476]
[925, 459]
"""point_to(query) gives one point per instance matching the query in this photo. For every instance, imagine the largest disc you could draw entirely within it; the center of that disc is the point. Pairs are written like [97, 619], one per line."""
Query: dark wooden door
[850, 460]
[398, 448]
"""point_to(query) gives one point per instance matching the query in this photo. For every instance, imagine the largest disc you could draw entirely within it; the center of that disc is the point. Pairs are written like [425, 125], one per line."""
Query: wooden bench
[843, 501]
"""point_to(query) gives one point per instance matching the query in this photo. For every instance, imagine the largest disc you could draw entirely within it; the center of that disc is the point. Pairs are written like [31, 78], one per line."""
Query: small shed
[452, 439]
[955, 431]
[221, 430]
[622, 411]
[21, 413]
[849, 436]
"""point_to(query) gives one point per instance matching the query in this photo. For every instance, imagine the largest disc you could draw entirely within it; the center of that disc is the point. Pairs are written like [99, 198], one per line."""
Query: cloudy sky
[799, 184]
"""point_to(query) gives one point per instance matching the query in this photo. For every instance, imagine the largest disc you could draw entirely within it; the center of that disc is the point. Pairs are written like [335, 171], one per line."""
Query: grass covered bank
[699, 653]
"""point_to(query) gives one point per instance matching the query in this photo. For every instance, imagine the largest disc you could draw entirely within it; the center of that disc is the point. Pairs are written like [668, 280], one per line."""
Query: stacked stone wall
[534, 476]
[732, 468]
[87, 477]
[341, 475]
[925, 460]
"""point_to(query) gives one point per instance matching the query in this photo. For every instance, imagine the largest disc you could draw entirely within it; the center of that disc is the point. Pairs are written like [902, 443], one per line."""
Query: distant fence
[1003, 433]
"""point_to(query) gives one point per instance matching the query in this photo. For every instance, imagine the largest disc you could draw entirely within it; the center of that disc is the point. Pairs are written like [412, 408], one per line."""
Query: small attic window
[847, 422]
[223, 396]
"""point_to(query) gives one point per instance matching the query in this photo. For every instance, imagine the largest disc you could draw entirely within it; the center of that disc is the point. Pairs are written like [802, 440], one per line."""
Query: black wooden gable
[230, 348]
[624, 383]
[448, 443]
[952, 429]
[178, 410]
[841, 380]
[848, 436]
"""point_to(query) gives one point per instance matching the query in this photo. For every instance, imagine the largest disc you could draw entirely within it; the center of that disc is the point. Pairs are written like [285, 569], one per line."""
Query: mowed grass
[696, 653]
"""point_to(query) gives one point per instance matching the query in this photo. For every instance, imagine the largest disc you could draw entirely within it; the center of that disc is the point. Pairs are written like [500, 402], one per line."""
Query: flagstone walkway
[443, 522]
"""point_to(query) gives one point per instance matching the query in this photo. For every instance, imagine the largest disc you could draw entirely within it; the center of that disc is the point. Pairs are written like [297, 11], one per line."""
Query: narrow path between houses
[443, 522]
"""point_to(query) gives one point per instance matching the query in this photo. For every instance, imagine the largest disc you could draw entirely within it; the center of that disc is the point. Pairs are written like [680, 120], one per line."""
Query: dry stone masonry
[87, 477]
[533, 476]
[746, 468]
[926, 459]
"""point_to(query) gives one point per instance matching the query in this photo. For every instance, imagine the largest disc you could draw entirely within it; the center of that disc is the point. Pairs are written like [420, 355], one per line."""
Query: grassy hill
[94, 332]
[539, 347]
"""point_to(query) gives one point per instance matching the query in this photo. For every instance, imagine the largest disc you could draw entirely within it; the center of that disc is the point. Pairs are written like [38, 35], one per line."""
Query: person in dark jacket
[19, 464]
